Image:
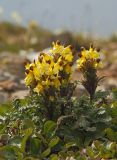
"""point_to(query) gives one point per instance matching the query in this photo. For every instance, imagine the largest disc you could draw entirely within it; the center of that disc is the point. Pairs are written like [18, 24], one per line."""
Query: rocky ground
[12, 74]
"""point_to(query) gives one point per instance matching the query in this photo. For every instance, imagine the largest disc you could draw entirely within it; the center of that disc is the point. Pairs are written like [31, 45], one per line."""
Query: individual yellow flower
[57, 68]
[57, 48]
[66, 50]
[69, 57]
[28, 66]
[39, 88]
[80, 62]
[98, 64]
[29, 80]
[37, 72]
[47, 83]
[67, 69]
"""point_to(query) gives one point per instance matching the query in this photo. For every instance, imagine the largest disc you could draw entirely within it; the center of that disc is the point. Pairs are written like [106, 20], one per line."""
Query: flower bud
[71, 47]
[80, 54]
[58, 42]
[98, 49]
[27, 71]
[31, 68]
[98, 60]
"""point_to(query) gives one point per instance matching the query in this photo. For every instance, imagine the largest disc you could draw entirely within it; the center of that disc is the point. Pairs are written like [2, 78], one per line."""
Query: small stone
[19, 94]
[8, 85]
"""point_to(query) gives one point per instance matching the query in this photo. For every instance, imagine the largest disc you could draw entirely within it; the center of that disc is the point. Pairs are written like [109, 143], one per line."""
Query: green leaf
[2, 128]
[54, 142]
[27, 135]
[83, 122]
[30, 158]
[46, 153]
[10, 152]
[91, 129]
[114, 93]
[53, 157]
[97, 144]
[49, 127]
[70, 144]
[111, 134]
[28, 123]
[90, 152]
[5, 108]
[101, 95]
[34, 145]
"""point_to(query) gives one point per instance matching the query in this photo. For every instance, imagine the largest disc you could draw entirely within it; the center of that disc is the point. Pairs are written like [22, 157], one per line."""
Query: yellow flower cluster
[89, 59]
[51, 69]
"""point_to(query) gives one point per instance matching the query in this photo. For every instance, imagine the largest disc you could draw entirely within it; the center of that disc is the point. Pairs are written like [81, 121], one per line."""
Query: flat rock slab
[19, 94]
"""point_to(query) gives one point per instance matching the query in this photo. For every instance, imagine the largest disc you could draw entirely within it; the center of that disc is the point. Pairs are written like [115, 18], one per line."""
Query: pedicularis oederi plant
[51, 123]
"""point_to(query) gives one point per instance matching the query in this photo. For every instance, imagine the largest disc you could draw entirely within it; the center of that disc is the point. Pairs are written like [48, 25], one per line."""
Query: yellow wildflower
[67, 69]
[69, 57]
[37, 72]
[29, 80]
[89, 58]
[57, 48]
[39, 88]
[80, 62]
[66, 50]
[47, 70]
[57, 68]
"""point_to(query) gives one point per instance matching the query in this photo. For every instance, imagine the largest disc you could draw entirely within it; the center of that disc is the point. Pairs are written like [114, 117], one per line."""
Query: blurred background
[30, 26]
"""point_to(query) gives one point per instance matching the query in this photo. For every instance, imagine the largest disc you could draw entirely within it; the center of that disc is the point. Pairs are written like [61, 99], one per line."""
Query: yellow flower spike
[89, 56]
[46, 71]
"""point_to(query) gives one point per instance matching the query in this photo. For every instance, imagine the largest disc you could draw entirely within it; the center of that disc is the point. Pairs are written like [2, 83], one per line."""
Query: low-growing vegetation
[51, 123]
